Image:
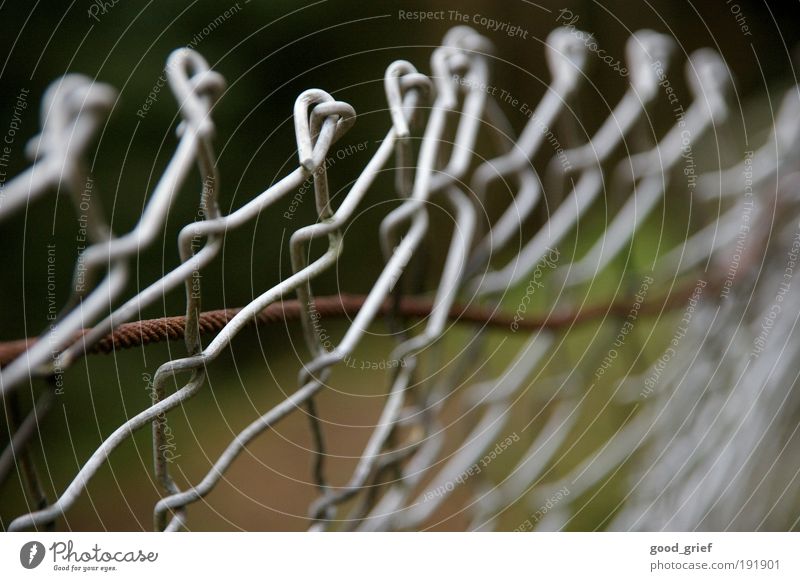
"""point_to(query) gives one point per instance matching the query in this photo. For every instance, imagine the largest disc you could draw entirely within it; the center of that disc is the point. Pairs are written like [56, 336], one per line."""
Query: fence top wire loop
[466, 38]
[400, 77]
[566, 52]
[196, 88]
[312, 144]
[72, 111]
[710, 80]
[646, 51]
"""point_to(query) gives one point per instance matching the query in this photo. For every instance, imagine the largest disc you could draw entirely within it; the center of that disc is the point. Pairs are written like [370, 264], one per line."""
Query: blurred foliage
[269, 52]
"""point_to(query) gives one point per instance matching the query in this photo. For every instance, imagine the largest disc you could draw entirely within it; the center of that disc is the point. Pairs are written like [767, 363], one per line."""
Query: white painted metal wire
[709, 440]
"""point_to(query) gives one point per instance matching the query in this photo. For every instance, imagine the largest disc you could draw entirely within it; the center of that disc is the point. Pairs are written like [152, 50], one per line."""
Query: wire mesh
[720, 424]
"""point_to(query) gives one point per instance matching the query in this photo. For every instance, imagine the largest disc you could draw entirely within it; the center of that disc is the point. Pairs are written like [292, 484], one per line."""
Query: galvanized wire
[401, 484]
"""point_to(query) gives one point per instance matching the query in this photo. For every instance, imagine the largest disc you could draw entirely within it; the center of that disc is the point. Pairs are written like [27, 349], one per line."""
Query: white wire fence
[709, 437]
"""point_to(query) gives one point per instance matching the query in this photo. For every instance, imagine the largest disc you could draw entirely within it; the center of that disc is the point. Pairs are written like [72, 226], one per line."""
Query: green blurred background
[269, 52]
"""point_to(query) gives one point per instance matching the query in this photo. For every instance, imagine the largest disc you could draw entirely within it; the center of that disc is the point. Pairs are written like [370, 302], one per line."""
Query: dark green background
[270, 52]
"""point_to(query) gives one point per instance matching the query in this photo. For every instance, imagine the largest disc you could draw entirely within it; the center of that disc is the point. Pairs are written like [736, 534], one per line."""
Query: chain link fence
[694, 346]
